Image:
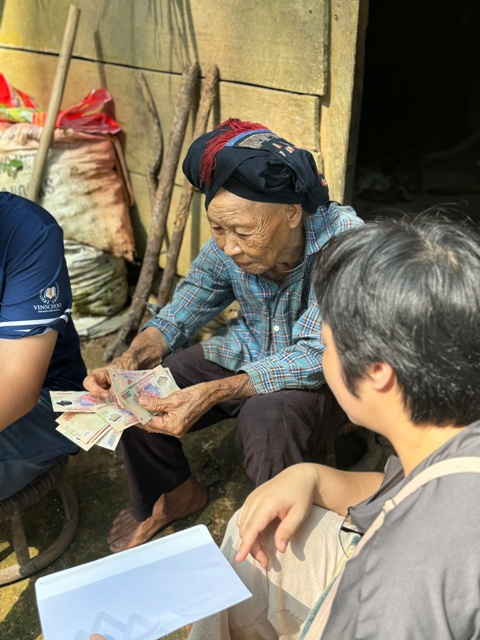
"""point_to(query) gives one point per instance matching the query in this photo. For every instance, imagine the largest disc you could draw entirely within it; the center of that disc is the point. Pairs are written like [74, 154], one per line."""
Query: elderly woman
[269, 214]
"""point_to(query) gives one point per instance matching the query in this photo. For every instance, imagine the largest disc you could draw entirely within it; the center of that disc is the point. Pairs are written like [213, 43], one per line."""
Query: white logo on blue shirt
[49, 295]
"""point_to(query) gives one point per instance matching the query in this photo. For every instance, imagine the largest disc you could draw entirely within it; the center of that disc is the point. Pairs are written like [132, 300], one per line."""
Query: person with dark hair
[400, 302]
[39, 346]
[269, 213]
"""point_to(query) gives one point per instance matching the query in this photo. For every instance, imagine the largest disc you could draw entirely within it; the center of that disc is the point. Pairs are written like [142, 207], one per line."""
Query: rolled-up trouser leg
[155, 463]
[284, 428]
[284, 594]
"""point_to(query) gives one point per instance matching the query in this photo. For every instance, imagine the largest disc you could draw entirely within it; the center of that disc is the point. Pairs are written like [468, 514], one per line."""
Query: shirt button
[276, 328]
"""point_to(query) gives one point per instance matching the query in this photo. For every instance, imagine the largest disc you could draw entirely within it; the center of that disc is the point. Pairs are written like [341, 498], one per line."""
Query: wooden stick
[159, 214]
[54, 104]
[209, 92]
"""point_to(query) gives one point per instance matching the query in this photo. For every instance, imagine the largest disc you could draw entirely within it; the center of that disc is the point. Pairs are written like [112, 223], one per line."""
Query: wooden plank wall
[272, 56]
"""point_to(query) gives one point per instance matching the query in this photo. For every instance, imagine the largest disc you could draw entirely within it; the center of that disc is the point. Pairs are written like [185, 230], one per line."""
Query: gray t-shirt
[419, 576]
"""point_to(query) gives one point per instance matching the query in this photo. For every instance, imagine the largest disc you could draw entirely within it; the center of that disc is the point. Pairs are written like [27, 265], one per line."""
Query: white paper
[140, 594]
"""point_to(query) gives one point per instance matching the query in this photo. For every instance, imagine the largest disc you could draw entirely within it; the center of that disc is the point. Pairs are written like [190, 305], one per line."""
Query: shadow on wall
[175, 14]
[180, 21]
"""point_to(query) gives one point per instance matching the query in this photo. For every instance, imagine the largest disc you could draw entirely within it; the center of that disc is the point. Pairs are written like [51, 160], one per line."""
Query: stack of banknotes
[90, 421]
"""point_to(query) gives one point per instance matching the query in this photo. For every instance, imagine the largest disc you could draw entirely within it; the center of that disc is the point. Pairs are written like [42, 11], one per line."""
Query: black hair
[407, 292]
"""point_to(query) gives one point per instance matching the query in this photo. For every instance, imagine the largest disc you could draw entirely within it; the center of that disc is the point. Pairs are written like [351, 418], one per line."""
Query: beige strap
[438, 470]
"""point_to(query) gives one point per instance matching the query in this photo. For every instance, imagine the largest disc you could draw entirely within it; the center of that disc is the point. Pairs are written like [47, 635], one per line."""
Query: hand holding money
[98, 381]
[178, 412]
[89, 420]
[145, 352]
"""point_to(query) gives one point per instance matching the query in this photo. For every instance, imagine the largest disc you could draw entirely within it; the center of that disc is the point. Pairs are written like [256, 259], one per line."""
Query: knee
[260, 415]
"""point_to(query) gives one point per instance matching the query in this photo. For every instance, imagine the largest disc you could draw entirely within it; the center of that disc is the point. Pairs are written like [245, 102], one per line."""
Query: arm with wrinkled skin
[180, 410]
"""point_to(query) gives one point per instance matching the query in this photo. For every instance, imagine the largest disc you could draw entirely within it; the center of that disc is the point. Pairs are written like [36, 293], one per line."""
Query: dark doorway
[419, 137]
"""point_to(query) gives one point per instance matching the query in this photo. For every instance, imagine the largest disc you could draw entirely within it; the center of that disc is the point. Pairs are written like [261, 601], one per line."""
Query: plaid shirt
[276, 337]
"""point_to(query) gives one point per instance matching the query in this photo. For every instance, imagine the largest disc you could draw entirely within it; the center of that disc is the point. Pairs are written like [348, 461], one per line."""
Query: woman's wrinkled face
[253, 234]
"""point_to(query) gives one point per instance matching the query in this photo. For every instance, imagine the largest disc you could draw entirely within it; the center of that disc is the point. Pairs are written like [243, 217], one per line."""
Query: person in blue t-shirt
[39, 346]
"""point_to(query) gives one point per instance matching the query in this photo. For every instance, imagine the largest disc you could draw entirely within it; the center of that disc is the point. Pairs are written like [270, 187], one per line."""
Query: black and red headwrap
[250, 161]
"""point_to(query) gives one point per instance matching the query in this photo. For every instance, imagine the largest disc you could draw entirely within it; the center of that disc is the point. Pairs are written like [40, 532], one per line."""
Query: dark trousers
[276, 430]
[30, 446]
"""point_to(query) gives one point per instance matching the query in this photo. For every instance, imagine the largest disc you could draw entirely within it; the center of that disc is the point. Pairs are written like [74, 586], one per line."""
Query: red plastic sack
[16, 106]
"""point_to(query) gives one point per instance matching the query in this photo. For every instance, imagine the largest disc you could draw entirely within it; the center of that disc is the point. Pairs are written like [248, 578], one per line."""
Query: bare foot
[126, 532]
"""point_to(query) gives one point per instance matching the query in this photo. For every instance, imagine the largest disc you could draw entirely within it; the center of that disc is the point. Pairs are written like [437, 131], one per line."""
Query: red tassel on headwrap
[213, 146]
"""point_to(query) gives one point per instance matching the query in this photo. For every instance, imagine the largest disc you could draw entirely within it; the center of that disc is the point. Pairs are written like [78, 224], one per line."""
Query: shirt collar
[316, 226]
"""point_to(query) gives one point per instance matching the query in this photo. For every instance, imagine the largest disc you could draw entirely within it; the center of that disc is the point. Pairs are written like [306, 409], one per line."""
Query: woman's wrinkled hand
[98, 382]
[177, 413]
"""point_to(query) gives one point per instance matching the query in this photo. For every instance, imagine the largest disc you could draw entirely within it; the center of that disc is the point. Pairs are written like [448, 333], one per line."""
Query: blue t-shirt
[35, 293]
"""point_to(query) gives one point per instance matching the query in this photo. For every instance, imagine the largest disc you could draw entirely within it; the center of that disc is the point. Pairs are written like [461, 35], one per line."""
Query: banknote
[128, 377]
[118, 417]
[64, 429]
[79, 401]
[157, 383]
[169, 374]
[123, 383]
[124, 389]
[154, 383]
[87, 420]
[109, 440]
[72, 434]
[87, 427]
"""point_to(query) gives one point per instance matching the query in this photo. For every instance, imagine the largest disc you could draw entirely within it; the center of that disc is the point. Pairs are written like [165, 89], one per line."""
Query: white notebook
[140, 594]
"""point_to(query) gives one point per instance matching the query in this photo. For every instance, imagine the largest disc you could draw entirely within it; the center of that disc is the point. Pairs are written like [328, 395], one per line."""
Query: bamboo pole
[159, 214]
[209, 92]
[54, 104]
